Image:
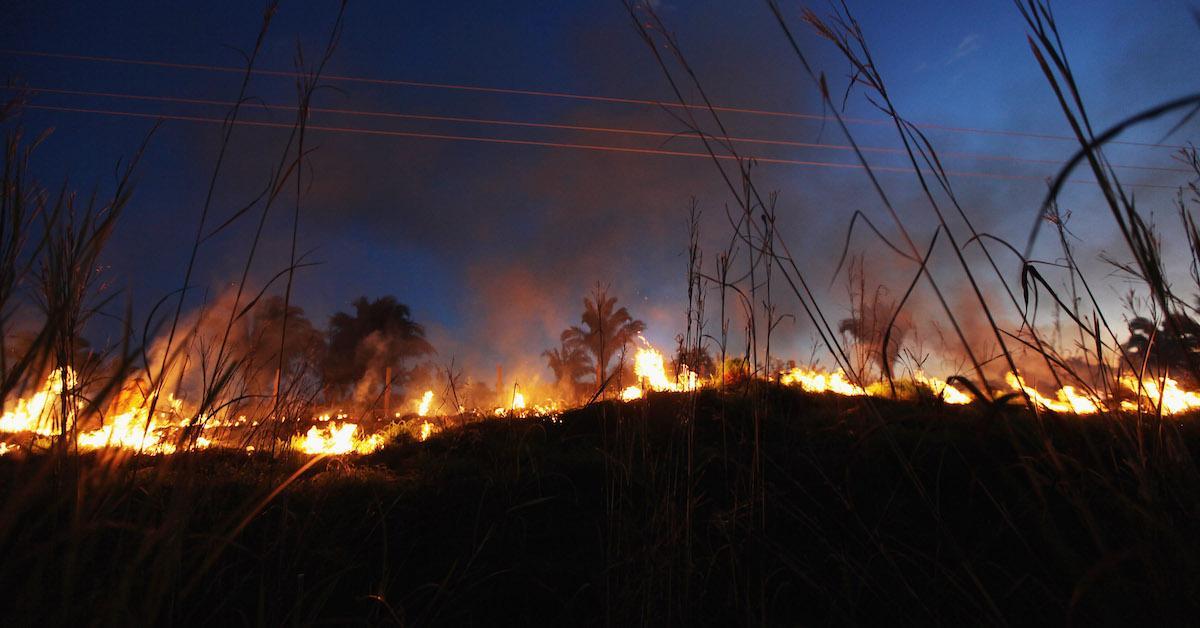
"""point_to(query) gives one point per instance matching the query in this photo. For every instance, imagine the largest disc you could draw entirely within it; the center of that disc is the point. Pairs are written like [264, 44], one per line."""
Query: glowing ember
[336, 439]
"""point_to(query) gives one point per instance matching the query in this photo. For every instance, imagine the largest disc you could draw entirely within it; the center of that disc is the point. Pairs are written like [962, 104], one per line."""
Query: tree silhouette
[605, 330]
[868, 325]
[1173, 346]
[696, 359]
[570, 363]
[301, 346]
[380, 334]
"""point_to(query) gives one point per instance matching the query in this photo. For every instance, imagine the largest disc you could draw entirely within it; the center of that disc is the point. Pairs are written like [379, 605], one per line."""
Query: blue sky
[494, 246]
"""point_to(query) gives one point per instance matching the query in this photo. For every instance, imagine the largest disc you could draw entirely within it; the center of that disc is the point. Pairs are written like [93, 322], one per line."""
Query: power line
[559, 145]
[568, 127]
[557, 94]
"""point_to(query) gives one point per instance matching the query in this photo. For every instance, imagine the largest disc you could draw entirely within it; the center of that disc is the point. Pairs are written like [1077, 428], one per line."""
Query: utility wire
[559, 145]
[553, 94]
[666, 135]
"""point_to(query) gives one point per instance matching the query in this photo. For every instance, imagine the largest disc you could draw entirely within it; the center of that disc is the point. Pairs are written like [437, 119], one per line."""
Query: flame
[948, 393]
[132, 429]
[424, 403]
[649, 366]
[818, 382]
[1068, 399]
[522, 407]
[128, 424]
[1172, 398]
[6, 447]
[36, 414]
[336, 439]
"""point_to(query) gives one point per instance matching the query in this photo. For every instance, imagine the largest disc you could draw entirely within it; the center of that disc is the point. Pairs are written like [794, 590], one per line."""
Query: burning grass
[244, 467]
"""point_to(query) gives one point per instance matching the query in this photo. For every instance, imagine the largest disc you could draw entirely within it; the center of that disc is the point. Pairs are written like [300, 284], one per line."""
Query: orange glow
[649, 366]
[948, 393]
[819, 382]
[1174, 399]
[1068, 400]
[36, 414]
[424, 403]
[335, 439]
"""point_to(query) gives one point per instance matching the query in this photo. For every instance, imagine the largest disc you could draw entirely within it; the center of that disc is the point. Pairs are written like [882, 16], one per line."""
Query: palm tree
[380, 334]
[570, 363]
[605, 330]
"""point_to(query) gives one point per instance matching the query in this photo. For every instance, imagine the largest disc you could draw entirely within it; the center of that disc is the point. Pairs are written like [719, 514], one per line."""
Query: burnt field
[766, 506]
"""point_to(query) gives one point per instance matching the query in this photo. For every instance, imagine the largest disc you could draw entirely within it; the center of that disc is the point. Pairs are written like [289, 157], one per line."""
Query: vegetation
[377, 338]
[608, 516]
[746, 502]
[605, 334]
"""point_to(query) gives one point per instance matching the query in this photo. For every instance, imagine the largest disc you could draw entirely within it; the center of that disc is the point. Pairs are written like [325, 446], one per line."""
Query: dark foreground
[666, 511]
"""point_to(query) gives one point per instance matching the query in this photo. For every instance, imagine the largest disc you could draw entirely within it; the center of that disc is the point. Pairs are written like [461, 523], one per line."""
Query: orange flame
[1173, 399]
[424, 403]
[335, 439]
[649, 366]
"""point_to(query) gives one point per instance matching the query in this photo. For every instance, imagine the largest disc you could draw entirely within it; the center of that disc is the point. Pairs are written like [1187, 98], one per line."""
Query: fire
[128, 424]
[1068, 399]
[335, 439]
[1173, 398]
[132, 429]
[423, 406]
[649, 366]
[521, 407]
[819, 382]
[948, 393]
[36, 414]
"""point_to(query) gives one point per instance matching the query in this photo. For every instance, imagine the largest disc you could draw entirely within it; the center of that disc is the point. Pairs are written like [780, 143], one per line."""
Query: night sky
[494, 245]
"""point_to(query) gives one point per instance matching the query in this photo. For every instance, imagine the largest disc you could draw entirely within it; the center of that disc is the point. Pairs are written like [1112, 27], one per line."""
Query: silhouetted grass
[751, 504]
[584, 520]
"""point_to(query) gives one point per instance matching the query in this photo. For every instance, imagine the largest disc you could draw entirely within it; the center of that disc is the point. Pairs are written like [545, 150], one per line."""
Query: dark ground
[936, 515]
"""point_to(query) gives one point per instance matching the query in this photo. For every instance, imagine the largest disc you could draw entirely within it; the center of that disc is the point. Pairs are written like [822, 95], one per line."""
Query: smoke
[493, 246]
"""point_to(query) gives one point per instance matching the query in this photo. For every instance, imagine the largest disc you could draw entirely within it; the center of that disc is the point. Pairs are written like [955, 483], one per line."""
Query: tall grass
[1148, 446]
[746, 504]
[66, 511]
